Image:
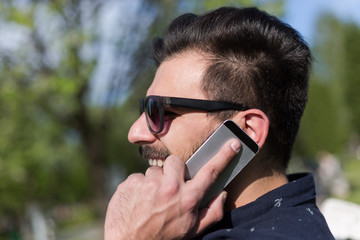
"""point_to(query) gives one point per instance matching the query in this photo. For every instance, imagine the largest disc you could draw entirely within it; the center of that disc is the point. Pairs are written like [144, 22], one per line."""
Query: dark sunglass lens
[153, 114]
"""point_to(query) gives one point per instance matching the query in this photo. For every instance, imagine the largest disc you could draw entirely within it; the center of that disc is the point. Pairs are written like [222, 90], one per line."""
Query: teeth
[156, 162]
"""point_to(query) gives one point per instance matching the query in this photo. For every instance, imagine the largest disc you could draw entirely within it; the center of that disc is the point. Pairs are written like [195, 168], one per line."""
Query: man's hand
[161, 205]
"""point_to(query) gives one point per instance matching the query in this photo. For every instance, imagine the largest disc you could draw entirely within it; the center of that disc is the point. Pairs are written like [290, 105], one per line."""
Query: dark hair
[254, 59]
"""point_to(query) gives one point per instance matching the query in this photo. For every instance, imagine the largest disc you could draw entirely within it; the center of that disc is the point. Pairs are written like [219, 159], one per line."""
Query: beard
[149, 152]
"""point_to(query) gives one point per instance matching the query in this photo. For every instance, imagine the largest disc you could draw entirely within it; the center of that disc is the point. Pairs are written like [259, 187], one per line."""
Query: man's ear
[255, 123]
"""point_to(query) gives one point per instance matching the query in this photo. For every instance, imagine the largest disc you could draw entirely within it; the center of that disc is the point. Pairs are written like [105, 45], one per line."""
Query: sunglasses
[155, 108]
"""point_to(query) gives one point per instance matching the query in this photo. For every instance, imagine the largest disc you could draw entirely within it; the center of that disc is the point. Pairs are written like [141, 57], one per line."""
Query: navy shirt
[288, 212]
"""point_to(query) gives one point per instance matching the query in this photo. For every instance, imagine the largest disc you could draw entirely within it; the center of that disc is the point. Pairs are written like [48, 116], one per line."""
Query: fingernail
[235, 145]
[224, 196]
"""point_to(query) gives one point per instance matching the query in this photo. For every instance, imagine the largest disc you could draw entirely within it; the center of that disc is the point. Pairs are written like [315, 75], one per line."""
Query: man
[258, 64]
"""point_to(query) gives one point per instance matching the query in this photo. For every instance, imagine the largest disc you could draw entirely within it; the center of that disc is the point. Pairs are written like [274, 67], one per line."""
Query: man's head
[236, 55]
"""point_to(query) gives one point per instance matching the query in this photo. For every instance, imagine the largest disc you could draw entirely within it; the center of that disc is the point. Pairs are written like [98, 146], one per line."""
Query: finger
[135, 179]
[153, 171]
[208, 174]
[212, 214]
[174, 166]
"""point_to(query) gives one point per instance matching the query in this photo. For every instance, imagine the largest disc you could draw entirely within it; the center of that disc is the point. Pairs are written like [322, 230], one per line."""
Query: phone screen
[227, 130]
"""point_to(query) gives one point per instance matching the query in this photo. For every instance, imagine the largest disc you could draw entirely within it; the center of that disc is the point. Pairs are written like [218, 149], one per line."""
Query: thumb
[213, 213]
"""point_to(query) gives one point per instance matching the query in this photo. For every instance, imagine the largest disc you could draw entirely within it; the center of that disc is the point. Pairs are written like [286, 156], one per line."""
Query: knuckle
[171, 187]
[213, 173]
[134, 178]
[152, 183]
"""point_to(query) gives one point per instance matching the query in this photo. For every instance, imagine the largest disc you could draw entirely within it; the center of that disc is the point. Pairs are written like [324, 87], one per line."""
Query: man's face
[179, 76]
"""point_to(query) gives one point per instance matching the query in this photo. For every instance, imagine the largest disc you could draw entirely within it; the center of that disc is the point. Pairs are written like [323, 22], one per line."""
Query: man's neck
[250, 185]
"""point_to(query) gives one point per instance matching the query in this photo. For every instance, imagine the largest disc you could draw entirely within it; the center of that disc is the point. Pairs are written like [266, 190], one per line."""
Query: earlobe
[255, 123]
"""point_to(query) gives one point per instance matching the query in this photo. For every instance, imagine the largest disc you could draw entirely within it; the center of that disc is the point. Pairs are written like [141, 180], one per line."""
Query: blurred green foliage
[332, 115]
[56, 146]
[331, 120]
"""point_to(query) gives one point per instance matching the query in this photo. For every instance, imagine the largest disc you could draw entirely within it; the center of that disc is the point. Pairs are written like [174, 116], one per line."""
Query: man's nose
[139, 132]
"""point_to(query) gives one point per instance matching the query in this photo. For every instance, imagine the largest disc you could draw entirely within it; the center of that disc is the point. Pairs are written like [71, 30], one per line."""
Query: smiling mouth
[156, 162]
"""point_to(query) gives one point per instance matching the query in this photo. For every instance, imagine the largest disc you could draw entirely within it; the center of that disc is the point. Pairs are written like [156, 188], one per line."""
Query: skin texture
[177, 77]
[160, 204]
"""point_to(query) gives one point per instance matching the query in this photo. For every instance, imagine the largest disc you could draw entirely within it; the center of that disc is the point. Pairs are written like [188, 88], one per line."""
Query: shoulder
[288, 212]
[299, 222]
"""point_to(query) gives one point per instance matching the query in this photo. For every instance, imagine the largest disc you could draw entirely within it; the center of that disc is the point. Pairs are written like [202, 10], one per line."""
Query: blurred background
[71, 73]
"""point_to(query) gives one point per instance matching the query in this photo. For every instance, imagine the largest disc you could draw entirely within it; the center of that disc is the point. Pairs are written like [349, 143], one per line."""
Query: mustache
[149, 152]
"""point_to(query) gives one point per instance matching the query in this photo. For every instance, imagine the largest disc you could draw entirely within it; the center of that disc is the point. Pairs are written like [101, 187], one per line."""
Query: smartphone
[227, 130]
